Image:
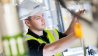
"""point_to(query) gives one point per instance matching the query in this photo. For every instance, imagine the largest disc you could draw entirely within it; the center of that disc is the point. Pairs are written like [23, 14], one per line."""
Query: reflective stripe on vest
[52, 35]
[29, 37]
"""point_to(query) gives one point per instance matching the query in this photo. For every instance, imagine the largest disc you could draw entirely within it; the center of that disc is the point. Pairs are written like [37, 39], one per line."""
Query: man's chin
[41, 29]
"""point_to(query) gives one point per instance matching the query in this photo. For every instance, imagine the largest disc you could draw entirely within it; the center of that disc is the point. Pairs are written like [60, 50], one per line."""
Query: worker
[43, 42]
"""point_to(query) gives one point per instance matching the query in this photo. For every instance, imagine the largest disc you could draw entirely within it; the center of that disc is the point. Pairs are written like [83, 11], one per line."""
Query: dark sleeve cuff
[61, 35]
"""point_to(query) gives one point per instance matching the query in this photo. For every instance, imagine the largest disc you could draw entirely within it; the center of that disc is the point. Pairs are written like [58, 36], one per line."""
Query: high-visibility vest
[52, 35]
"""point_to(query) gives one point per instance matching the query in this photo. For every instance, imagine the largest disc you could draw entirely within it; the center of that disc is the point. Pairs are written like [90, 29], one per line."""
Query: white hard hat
[29, 8]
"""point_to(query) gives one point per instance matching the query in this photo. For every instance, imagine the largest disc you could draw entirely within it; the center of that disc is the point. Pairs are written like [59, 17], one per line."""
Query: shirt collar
[35, 35]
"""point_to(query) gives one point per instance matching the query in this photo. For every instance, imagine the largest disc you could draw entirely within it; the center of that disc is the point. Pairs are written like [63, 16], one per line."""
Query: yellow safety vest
[51, 35]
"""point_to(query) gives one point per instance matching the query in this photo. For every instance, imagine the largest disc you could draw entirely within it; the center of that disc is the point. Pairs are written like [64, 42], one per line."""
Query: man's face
[37, 22]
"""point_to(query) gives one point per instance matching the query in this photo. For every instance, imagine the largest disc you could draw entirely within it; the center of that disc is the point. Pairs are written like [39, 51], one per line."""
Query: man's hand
[75, 25]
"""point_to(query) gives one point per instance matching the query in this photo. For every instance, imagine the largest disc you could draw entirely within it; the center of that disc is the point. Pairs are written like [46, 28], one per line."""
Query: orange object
[78, 30]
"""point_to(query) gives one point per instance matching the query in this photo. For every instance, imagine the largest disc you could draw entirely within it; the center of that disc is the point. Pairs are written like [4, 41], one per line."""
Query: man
[43, 42]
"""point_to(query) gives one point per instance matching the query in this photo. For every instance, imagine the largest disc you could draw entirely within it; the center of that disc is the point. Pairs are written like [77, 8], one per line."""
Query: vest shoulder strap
[53, 34]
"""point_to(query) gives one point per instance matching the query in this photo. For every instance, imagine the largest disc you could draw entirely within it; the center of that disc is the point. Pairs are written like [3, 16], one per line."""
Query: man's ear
[27, 22]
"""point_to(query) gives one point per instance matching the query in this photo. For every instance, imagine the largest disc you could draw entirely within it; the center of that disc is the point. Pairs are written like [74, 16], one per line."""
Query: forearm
[71, 26]
[59, 46]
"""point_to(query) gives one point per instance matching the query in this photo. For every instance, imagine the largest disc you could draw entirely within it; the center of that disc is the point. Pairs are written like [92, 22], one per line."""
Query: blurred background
[55, 16]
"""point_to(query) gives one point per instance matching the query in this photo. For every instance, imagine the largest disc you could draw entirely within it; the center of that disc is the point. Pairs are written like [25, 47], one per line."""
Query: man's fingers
[80, 12]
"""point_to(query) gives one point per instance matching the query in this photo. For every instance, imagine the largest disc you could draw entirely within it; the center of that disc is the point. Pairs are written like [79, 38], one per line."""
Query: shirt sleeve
[61, 35]
[35, 48]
